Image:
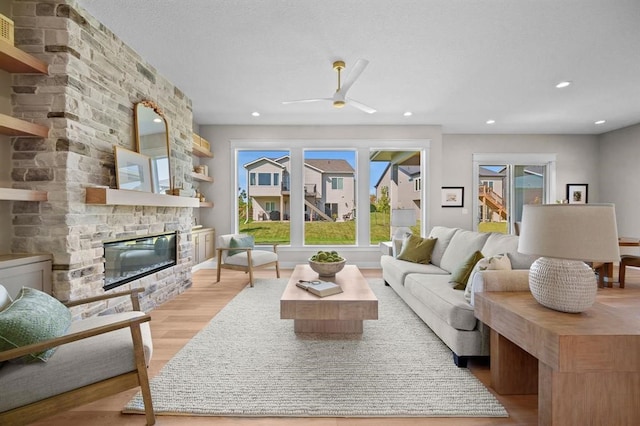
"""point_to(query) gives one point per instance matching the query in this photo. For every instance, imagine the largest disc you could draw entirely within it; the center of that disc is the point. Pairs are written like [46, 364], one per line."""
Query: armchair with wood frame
[237, 252]
[97, 357]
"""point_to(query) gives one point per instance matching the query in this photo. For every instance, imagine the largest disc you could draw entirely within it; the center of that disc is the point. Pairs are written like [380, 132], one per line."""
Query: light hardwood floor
[176, 322]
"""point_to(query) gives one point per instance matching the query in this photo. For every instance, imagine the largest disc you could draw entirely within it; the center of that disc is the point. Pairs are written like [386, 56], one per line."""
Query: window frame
[363, 149]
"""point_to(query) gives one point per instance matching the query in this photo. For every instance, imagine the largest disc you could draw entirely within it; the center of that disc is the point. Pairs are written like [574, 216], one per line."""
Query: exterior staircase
[317, 210]
[493, 201]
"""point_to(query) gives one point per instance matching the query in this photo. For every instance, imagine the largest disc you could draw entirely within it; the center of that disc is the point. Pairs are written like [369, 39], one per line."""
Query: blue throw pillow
[245, 242]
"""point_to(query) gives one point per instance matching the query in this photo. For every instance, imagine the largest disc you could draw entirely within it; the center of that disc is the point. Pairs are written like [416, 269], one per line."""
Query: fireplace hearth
[127, 260]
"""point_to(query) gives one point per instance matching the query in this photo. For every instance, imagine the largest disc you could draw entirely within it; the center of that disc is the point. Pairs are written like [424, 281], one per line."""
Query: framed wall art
[578, 193]
[133, 170]
[452, 196]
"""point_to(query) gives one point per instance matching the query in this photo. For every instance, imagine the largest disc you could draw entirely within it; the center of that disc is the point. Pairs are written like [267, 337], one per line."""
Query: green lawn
[321, 233]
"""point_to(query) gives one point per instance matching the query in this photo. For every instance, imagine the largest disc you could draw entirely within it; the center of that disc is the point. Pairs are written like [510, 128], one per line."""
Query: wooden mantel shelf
[14, 60]
[15, 127]
[22, 195]
[124, 197]
[199, 151]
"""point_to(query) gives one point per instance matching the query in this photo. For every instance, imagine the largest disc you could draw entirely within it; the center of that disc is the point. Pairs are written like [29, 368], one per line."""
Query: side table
[584, 367]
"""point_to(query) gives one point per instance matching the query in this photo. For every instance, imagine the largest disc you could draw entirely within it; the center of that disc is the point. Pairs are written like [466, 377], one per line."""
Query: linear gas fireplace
[130, 259]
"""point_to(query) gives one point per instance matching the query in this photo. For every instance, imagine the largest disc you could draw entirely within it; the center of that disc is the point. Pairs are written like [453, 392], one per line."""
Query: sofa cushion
[435, 293]
[500, 262]
[462, 246]
[416, 249]
[460, 275]
[75, 364]
[33, 317]
[443, 236]
[395, 270]
[521, 261]
[499, 244]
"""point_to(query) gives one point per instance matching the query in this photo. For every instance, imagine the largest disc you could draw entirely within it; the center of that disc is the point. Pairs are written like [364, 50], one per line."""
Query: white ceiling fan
[340, 98]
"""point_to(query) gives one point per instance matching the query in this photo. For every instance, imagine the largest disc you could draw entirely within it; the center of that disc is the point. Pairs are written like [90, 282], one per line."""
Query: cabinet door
[209, 239]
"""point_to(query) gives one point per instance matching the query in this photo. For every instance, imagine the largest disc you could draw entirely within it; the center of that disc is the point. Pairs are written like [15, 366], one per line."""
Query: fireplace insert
[130, 259]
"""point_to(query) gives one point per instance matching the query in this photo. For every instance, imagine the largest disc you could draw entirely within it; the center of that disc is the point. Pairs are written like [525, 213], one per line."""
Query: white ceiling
[455, 63]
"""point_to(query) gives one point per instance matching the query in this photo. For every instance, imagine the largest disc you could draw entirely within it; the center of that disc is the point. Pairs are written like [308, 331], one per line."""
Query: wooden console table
[585, 367]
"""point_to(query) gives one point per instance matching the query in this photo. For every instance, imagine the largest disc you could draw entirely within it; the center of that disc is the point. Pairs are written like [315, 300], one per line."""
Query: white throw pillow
[5, 299]
[497, 262]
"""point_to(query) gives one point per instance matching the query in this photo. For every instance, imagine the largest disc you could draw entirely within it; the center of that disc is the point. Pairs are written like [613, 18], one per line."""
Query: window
[300, 207]
[264, 179]
[398, 185]
[329, 197]
[505, 183]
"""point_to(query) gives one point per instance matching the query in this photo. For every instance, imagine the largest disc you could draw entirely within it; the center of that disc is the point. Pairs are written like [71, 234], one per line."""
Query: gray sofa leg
[460, 361]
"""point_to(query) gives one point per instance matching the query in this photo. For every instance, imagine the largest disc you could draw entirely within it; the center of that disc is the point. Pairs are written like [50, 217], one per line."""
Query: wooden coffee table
[338, 313]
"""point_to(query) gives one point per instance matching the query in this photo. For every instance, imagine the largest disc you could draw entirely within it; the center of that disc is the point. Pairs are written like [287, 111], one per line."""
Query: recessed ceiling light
[408, 114]
[600, 122]
[491, 121]
[157, 120]
[255, 114]
[563, 84]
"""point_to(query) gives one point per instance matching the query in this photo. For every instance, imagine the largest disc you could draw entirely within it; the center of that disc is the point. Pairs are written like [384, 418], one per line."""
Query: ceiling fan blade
[361, 106]
[306, 101]
[360, 65]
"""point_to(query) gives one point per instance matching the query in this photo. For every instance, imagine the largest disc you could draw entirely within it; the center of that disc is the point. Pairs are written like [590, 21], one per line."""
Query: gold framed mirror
[152, 140]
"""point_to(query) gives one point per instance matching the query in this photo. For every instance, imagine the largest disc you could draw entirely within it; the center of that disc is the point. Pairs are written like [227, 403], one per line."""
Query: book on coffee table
[320, 288]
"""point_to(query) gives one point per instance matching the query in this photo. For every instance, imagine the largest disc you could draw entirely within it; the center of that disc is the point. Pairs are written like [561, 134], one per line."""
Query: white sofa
[427, 290]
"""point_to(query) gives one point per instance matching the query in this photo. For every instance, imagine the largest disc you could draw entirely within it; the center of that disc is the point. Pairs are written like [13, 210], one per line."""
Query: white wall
[608, 164]
[577, 162]
[619, 167]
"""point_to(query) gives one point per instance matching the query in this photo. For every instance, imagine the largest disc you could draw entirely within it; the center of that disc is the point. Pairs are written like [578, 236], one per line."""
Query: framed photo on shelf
[133, 170]
[453, 196]
[578, 193]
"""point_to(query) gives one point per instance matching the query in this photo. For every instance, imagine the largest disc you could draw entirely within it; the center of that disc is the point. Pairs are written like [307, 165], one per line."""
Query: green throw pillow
[460, 276]
[246, 242]
[417, 250]
[33, 317]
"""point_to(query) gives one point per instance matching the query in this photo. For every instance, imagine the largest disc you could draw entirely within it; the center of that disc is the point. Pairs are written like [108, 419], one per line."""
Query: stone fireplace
[87, 101]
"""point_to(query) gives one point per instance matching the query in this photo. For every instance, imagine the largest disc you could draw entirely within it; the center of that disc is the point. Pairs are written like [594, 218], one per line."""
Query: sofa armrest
[133, 323]
[500, 280]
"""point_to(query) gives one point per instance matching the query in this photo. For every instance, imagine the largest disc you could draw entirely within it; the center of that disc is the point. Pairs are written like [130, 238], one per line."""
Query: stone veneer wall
[87, 101]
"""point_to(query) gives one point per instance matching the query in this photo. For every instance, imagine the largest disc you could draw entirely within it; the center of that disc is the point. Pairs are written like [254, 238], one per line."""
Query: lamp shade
[403, 217]
[586, 232]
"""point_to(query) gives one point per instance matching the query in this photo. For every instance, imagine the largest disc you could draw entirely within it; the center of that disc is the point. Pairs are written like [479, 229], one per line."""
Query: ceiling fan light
[339, 104]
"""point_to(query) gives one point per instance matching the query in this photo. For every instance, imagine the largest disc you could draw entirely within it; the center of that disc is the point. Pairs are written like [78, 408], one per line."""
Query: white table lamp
[566, 236]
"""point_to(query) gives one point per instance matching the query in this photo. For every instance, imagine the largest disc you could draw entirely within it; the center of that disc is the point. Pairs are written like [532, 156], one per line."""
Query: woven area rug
[249, 362]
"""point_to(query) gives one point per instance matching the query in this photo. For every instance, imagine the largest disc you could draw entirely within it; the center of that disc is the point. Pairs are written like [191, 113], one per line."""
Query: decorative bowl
[327, 269]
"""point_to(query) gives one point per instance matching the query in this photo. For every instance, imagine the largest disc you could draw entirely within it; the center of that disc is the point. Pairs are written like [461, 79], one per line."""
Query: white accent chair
[98, 356]
[245, 258]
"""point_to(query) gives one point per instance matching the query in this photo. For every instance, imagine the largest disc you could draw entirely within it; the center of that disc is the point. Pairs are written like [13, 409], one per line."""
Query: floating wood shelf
[206, 203]
[199, 151]
[124, 197]
[14, 60]
[15, 127]
[22, 195]
[200, 177]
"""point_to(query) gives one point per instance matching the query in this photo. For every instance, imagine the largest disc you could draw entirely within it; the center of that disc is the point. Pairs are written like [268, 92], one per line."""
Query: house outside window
[252, 179]
[417, 184]
[270, 206]
[276, 179]
[337, 183]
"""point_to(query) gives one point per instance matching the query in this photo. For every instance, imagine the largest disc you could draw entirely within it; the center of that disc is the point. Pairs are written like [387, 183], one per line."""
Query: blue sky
[244, 157]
